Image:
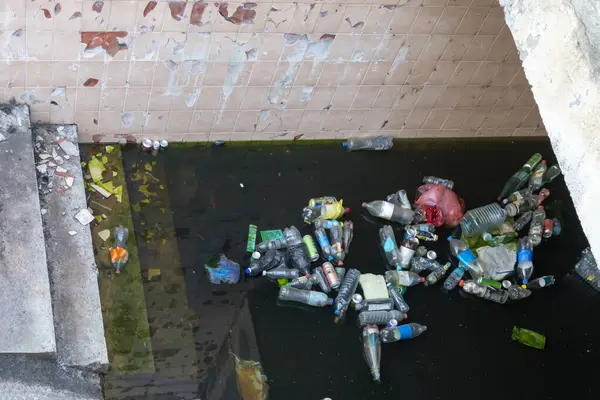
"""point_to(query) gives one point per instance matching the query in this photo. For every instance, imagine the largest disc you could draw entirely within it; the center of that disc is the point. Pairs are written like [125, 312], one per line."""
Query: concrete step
[73, 274]
[25, 302]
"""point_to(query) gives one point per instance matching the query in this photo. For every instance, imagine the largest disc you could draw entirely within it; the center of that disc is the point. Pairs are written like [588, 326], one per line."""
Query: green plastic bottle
[529, 338]
[521, 177]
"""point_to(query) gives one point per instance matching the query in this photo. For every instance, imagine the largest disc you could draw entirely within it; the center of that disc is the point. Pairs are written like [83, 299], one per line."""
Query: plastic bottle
[517, 293]
[378, 305]
[551, 174]
[399, 302]
[347, 235]
[529, 338]
[400, 198]
[518, 195]
[402, 332]
[527, 203]
[523, 221]
[495, 241]
[324, 211]
[372, 350]
[281, 273]
[421, 251]
[319, 278]
[389, 245]
[319, 201]
[298, 256]
[421, 235]
[315, 299]
[556, 227]
[301, 282]
[485, 292]
[336, 244]
[341, 271]
[422, 264]
[345, 292]
[472, 287]
[482, 219]
[403, 278]
[548, 228]
[385, 210]
[520, 178]
[155, 147]
[587, 268]
[436, 275]
[455, 276]
[271, 245]
[489, 282]
[379, 317]
[118, 252]
[313, 253]
[331, 275]
[539, 283]
[524, 259]
[536, 229]
[407, 251]
[323, 241]
[326, 223]
[421, 227]
[535, 180]
[434, 180]
[465, 255]
[369, 143]
[270, 260]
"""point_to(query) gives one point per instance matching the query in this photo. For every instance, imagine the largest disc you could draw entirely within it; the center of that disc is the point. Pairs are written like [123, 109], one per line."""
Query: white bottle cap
[256, 255]
[147, 143]
[164, 144]
[155, 144]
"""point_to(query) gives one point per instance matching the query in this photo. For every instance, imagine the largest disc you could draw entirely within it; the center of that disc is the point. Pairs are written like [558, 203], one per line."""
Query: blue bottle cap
[248, 271]
[336, 312]
[344, 144]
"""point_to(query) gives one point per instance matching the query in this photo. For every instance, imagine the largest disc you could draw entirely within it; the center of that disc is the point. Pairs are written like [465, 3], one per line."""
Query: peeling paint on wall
[149, 7]
[127, 119]
[307, 92]
[358, 25]
[47, 13]
[90, 82]
[57, 9]
[177, 9]
[76, 14]
[244, 14]
[108, 41]
[400, 58]
[197, 13]
[98, 6]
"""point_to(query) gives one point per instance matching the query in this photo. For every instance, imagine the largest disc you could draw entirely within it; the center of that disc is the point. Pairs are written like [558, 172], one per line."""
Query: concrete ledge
[558, 42]
[73, 273]
[25, 303]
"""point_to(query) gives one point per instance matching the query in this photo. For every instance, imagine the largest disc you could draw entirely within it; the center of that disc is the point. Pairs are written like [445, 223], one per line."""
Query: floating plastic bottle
[345, 292]
[539, 283]
[403, 278]
[407, 251]
[298, 256]
[376, 143]
[270, 260]
[400, 198]
[319, 201]
[527, 203]
[347, 235]
[319, 278]
[422, 264]
[421, 235]
[436, 275]
[455, 276]
[313, 253]
[119, 255]
[495, 241]
[489, 282]
[524, 259]
[523, 221]
[482, 219]
[465, 255]
[587, 268]
[551, 174]
[336, 244]
[402, 332]
[434, 180]
[520, 178]
[536, 178]
[485, 292]
[518, 195]
[326, 223]
[399, 302]
[548, 228]
[529, 338]
[341, 271]
[389, 245]
[421, 227]
[331, 275]
[536, 229]
[323, 241]
[372, 350]
[517, 293]
[389, 211]
[377, 305]
[324, 211]
[315, 299]
[301, 282]
[271, 245]
[281, 273]
[379, 317]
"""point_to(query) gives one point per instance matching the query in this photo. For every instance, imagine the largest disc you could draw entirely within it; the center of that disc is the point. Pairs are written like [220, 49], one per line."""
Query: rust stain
[197, 13]
[327, 36]
[57, 9]
[177, 8]
[297, 137]
[149, 7]
[91, 82]
[97, 138]
[107, 40]
[98, 6]
[244, 14]
[47, 13]
[359, 24]
[76, 14]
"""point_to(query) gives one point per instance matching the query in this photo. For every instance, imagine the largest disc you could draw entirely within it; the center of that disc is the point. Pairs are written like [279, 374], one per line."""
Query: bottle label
[406, 255]
[524, 255]
[336, 248]
[387, 210]
[405, 332]
[388, 244]
[323, 240]
[466, 256]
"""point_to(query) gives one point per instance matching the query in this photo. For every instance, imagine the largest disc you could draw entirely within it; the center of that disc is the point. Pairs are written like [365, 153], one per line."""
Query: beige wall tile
[112, 99]
[490, 96]
[417, 118]
[159, 100]
[19, 12]
[137, 99]
[88, 99]
[434, 48]
[515, 117]
[456, 119]
[510, 96]
[354, 73]
[506, 73]
[378, 19]
[377, 73]
[343, 97]
[429, 96]
[476, 118]
[426, 19]
[443, 72]
[376, 118]
[331, 73]
[37, 73]
[365, 97]
[66, 46]
[387, 96]
[494, 22]
[311, 121]
[479, 47]
[353, 20]
[407, 97]
[246, 121]
[464, 72]
[387, 48]
[449, 20]
[202, 121]
[224, 121]
[92, 20]
[403, 19]
[436, 118]
[457, 48]
[331, 16]
[39, 45]
[485, 73]
[395, 119]
[472, 20]
[123, 15]
[420, 73]
[343, 47]
[501, 47]
[262, 73]
[64, 74]
[495, 118]
[179, 121]
[305, 17]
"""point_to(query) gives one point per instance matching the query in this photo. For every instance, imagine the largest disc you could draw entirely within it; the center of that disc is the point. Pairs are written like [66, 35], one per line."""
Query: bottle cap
[256, 255]
[164, 144]
[486, 236]
[147, 143]
[336, 312]
[422, 279]
[461, 283]
[524, 286]
[431, 254]
[264, 273]
[155, 144]
[364, 204]
[344, 144]
[392, 323]
[450, 238]
[248, 271]
[405, 315]
[506, 284]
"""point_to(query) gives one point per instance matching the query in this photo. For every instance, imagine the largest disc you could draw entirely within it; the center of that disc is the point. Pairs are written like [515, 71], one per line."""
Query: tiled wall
[266, 70]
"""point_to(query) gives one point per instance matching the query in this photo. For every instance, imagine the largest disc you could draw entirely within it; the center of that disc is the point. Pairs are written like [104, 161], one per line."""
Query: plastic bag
[227, 271]
[444, 199]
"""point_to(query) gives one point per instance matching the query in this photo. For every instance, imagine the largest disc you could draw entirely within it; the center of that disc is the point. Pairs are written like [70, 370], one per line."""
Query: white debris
[60, 169]
[2, 138]
[42, 168]
[44, 211]
[104, 235]
[84, 216]
[69, 180]
[44, 156]
[59, 160]
[103, 192]
[72, 233]
[60, 128]
[241, 185]
[69, 148]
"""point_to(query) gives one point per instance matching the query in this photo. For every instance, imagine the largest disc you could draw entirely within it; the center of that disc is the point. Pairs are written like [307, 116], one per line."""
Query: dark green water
[212, 194]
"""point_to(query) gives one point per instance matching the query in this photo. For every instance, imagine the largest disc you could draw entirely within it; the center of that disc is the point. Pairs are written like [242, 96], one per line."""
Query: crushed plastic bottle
[524, 259]
[323, 241]
[389, 245]
[311, 298]
[495, 241]
[436, 275]
[434, 180]
[485, 292]
[389, 211]
[372, 350]
[347, 235]
[422, 264]
[270, 260]
[301, 282]
[407, 251]
[421, 227]
[536, 229]
[523, 221]
[380, 317]
[587, 268]
[465, 255]
[281, 273]
[539, 283]
[527, 203]
[118, 252]
[400, 198]
[377, 143]
[345, 293]
[529, 338]
[271, 245]
[455, 276]
[551, 174]
[482, 219]
[403, 278]
[517, 293]
[296, 250]
[402, 332]
[337, 251]
[324, 211]
[341, 271]
[520, 178]
[536, 178]
[421, 235]
[318, 277]
[518, 195]
[398, 299]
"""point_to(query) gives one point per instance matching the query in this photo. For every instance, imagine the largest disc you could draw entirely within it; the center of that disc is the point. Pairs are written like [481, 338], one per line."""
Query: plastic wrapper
[226, 271]
[446, 202]
[497, 262]
[251, 382]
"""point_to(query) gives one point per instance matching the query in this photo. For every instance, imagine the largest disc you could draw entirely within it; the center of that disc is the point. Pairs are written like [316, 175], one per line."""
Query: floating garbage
[521, 177]
[226, 271]
[376, 143]
[529, 338]
[118, 252]
[587, 268]
[251, 381]
[372, 350]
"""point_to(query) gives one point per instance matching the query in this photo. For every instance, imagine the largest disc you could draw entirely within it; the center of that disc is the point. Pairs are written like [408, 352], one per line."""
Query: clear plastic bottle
[539, 283]
[292, 236]
[369, 143]
[524, 259]
[421, 251]
[319, 278]
[389, 245]
[298, 256]
[485, 292]
[301, 282]
[465, 255]
[421, 235]
[324, 211]
[536, 229]
[341, 271]
[380, 317]
[407, 251]
[118, 252]
[270, 260]
[337, 251]
[403, 278]
[482, 219]
[518, 195]
[400, 198]
[520, 178]
[271, 245]
[472, 287]
[281, 273]
[372, 350]
[389, 211]
[319, 201]
[347, 235]
[421, 227]
[315, 299]
[536, 178]
[401, 332]
[345, 292]
[398, 299]
[436, 275]
[587, 268]
[422, 264]
[324, 244]
[523, 221]
[517, 293]
[434, 180]
[455, 276]
[551, 174]
[495, 241]
[527, 203]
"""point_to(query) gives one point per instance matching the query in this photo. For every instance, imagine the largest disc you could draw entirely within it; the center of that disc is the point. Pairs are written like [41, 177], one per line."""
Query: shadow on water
[212, 194]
